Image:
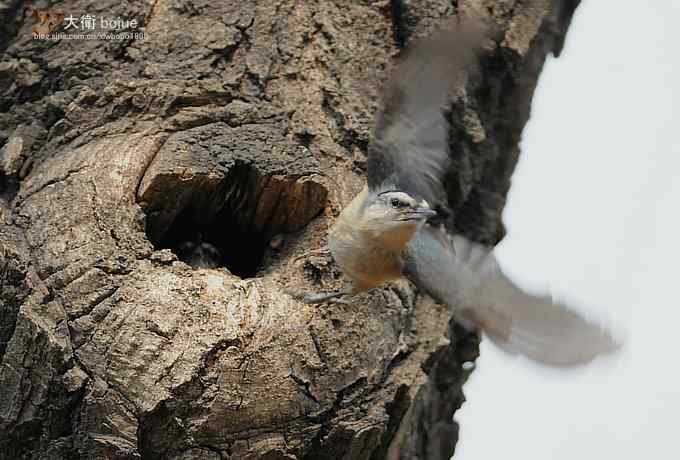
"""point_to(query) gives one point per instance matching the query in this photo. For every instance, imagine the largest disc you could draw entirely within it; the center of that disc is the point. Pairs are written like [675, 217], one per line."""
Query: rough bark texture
[244, 124]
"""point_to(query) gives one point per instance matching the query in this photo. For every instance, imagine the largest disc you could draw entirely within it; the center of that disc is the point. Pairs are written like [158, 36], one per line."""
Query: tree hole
[212, 220]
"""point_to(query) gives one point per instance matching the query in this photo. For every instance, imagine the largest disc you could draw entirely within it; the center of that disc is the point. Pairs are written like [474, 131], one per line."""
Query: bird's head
[394, 217]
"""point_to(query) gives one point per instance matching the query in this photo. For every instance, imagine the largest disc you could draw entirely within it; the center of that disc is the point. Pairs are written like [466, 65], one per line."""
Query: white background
[594, 212]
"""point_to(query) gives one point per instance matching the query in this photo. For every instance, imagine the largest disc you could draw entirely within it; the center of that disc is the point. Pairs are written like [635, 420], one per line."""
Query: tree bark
[244, 125]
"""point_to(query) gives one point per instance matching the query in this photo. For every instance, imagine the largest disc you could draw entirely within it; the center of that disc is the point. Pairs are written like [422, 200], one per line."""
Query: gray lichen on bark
[246, 122]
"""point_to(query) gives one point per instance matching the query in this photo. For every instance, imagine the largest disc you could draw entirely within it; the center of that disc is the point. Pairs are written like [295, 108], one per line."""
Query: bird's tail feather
[465, 276]
[518, 322]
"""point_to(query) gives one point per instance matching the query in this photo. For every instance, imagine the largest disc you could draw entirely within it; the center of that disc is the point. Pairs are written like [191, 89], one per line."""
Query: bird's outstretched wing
[410, 148]
[469, 280]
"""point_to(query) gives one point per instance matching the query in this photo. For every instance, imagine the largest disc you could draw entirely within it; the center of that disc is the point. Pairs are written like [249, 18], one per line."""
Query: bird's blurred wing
[410, 149]
[471, 282]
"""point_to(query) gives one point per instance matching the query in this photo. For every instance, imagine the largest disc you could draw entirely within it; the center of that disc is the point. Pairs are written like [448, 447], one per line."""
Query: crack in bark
[151, 13]
[211, 449]
[317, 345]
[21, 197]
[304, 385]
[99, 299]
[325, 418]
[161, 142]
[399, 31]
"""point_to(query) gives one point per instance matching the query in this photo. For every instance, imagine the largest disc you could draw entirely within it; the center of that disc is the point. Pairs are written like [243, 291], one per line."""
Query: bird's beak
[425, 212]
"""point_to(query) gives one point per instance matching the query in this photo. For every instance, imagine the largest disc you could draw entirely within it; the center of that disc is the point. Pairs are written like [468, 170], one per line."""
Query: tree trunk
[228, 138]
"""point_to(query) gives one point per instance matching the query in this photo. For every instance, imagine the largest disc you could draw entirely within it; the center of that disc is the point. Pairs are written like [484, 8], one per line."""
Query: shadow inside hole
[219, 241]
[211, 222]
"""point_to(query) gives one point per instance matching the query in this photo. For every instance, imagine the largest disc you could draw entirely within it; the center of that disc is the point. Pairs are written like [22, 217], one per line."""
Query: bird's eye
[396, 203]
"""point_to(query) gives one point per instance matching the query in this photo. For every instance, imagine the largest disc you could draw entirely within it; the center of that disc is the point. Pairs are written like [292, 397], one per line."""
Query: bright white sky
[594, 212]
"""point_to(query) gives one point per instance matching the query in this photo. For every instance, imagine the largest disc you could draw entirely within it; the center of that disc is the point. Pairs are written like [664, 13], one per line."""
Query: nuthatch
[199, 254]
[390, 229]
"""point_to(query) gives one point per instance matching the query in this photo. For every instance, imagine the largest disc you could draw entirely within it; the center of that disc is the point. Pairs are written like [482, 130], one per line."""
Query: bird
[393, 228]
[199, 254]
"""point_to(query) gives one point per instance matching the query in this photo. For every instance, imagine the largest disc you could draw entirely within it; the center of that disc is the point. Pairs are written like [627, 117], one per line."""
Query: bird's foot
[313, 298]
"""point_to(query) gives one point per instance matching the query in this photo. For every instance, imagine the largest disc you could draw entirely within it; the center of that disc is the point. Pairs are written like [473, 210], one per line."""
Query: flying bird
[392, 228]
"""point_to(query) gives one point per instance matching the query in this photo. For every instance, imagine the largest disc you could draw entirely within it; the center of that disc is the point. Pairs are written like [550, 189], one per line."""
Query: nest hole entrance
[230, 222]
